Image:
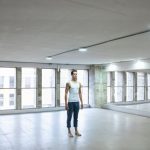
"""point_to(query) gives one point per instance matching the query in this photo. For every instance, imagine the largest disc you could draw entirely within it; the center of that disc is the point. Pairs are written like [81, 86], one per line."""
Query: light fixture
[82, 49]
[140, 64]
[49, 58]
[112, 67]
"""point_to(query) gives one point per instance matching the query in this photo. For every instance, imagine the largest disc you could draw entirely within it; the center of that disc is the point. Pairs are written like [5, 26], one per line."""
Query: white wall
[139, 65]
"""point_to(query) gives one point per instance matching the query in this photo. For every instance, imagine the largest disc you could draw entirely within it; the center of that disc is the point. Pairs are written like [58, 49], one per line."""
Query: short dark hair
[73, 70]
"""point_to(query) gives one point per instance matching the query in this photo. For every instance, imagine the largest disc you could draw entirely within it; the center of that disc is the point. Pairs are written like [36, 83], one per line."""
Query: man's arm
[80, 95]
[66, 94]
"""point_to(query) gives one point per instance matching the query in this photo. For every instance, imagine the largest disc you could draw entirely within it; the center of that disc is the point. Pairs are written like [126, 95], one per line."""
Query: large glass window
[1, 100]
[1, 80]
[7, 88]
[83, 79]
[28, 88]
[118, 86]
[129, 86]
[140, 86]
[65, 76]
[48, 87]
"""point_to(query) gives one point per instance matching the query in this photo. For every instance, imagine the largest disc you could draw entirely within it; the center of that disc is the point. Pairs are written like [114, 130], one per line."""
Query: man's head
[74, 74]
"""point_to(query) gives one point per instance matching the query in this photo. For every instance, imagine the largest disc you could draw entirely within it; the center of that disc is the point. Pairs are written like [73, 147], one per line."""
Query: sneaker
[77, 134]
[70, 134]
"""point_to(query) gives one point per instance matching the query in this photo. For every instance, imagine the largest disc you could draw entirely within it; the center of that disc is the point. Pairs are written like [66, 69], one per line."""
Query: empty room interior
[74, 74]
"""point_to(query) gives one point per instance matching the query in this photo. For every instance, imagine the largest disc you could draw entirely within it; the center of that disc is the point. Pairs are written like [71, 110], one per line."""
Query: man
[72, 103]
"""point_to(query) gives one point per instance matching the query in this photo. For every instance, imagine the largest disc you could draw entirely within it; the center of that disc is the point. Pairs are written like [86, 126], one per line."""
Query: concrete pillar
[134, 86]
[145, 87]
[112, 86]
[39, 88]
[57, 89]
[100, 86]
[18, 88]
[124, 87]
[91, 86]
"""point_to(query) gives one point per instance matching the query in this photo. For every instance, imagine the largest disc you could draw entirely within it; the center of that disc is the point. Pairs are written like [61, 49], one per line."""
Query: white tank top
[74, 91]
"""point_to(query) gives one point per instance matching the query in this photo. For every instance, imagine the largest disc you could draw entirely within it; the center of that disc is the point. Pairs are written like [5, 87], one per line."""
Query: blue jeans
[73, 108]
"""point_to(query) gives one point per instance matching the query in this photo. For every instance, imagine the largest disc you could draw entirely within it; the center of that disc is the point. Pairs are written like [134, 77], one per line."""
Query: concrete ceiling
[30, 30]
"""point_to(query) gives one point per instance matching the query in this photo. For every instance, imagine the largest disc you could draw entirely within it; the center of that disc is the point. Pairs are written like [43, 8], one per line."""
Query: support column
[100, 89]
[18, 88]
[112, 86]
[39, 88]
[57, 73]
[134, 86]
[145, 87]
[91, 86]
[124, 87]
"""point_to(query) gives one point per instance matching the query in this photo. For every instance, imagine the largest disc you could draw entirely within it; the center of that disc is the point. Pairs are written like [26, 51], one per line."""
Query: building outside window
[11, 81]
[11, 99]
[129, 86]
[118, 86]
[48, 87]
[140, 86]
[1, 100]
[1, 81]
[28, 96]
[7, 88]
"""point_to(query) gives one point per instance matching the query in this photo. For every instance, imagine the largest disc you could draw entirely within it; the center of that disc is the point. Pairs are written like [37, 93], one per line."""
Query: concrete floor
[101, 130]
[140, 107]
[136, 109]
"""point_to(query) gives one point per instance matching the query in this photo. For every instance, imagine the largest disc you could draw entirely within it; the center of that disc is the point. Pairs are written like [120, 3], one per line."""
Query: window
[118, 86]
[1, 100]
[28, 88]
[140, 86]
[83, 79]
[11, 81]
[48, 87]
[7, 88]
[1, 81]
[129, 86]
[11, 99]
[65, 76]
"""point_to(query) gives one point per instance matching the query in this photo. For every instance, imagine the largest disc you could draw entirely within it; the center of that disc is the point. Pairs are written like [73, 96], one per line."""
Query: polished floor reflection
[101, 130]
[140, 107]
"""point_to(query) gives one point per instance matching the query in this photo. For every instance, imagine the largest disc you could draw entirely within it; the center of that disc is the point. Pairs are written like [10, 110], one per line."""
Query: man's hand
[66, 106]
[81, 106]
[66, 93]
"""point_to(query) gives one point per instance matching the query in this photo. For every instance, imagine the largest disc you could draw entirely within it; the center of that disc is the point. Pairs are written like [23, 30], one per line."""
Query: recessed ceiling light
[49, 58]
[82, 49]
[140, 64]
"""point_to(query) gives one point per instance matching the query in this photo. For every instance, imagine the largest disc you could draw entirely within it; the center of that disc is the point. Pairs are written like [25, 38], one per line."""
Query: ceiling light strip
[107, 41]
[119, 38]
